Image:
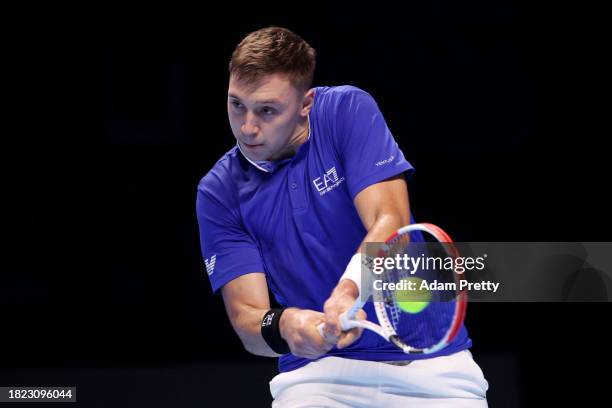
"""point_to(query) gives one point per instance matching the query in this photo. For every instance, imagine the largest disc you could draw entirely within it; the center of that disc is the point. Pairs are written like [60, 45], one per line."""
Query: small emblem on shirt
[210, 264]
[386, 161]
[328, 181]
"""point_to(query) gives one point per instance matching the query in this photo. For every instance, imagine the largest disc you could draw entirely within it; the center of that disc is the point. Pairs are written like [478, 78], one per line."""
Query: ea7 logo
[210, 264]
[328, 181]
[331, 174]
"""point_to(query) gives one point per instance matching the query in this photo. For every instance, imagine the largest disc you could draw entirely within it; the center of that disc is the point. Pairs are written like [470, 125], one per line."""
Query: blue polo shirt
[295, 219]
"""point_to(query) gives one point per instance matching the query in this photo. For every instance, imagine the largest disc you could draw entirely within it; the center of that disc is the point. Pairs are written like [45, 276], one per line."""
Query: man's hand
[341, 300]
[299, 329]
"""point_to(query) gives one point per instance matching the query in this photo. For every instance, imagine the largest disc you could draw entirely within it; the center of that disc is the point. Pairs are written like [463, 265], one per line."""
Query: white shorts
[448, 381]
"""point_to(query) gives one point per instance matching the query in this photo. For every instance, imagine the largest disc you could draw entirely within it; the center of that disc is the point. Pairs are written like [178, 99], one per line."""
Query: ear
[307, 102]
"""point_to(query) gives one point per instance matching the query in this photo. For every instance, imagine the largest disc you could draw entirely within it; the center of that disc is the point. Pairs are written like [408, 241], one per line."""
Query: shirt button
[293, 186]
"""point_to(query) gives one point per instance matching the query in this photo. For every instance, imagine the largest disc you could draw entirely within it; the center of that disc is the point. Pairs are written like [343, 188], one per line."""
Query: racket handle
[346, 318]
[350, 314]
[344, 324]
[348, 324]
[331, 339]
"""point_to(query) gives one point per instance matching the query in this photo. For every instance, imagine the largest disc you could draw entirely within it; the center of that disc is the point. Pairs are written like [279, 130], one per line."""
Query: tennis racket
[418, 321]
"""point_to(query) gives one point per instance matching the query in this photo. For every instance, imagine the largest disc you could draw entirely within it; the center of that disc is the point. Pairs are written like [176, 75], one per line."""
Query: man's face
[264, 117]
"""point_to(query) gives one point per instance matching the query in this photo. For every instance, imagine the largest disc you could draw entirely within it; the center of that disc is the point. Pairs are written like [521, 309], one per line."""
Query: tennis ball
[413, 301]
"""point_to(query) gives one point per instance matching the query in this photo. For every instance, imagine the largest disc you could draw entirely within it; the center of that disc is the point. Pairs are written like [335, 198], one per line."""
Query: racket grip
[350, 314]
[343, 324]
[320, 330]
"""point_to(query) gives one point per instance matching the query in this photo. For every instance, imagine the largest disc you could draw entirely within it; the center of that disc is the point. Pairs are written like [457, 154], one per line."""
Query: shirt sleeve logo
[210, 264]
[327, 181]
[386, 161]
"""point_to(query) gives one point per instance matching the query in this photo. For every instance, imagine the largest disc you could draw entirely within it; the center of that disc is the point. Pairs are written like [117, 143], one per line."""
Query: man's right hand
[299, 329]
[342, 299]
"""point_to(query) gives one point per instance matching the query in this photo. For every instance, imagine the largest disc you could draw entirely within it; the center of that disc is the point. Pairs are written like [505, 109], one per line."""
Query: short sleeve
[228, 250]
[366, 147]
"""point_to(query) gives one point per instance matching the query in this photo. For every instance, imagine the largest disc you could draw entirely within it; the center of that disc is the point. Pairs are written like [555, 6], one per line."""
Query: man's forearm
[382, 228]
[247, 325]
[294, 324]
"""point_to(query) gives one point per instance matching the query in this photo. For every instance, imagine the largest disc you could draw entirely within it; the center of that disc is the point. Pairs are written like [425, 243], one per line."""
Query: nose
[250, 126]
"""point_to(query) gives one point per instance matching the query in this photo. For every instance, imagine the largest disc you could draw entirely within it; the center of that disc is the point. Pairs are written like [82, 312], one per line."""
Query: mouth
[252, 146]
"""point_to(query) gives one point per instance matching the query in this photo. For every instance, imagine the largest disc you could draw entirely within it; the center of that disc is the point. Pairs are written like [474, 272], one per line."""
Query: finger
[311, 352]
[352, 335]
[307, 354]
[349, 337]
[323, 344]
[312, 356]
[332, 325]
[329, 339]
[311, 342]
[332, 321]
[321, 333]
[305, 350]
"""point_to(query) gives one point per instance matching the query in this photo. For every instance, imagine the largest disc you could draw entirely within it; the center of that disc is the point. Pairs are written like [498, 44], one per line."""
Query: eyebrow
[267, 101]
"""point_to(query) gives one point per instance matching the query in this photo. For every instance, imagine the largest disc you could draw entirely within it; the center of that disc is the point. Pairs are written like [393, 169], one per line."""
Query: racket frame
[385, 327]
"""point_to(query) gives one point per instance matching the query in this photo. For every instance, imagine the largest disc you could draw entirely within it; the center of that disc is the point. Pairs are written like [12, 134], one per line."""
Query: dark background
[114, 115]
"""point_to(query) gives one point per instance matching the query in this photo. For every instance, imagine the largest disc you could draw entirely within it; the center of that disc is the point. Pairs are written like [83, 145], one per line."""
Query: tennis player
[315, 174]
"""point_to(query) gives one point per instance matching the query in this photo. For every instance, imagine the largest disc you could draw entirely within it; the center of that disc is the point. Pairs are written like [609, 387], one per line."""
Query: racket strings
[426, 327]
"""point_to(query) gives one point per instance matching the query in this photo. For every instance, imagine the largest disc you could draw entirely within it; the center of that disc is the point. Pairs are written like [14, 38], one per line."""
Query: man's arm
[383, 208]
[246, 302]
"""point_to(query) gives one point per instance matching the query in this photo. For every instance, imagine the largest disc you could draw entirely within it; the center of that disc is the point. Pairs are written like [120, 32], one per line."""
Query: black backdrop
[116, 114]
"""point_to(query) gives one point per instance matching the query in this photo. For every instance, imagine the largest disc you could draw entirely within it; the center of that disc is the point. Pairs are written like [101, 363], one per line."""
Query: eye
[236, 104]
[268, 111]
